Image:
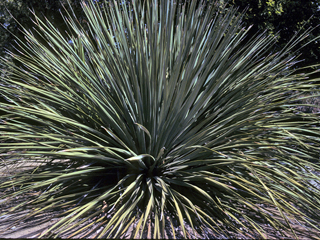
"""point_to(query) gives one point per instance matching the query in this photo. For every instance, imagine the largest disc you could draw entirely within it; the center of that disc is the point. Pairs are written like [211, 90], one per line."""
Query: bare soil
[11, 226]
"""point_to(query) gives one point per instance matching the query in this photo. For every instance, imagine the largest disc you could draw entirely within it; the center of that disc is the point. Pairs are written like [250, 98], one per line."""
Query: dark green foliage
[21, 11]
[160, 116]
[285, 17]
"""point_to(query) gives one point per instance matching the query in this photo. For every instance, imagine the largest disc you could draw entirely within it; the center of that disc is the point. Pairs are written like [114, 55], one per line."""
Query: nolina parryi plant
[162, 117]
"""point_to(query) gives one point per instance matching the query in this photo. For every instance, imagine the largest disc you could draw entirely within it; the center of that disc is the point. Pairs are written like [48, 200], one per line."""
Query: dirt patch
[11, 225]
[35, 226]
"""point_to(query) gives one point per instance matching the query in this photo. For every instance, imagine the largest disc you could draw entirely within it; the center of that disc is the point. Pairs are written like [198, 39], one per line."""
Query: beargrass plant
[160, 117]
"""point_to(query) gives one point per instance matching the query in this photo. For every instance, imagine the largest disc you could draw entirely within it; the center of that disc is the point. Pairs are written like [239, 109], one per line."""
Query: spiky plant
[161, 118]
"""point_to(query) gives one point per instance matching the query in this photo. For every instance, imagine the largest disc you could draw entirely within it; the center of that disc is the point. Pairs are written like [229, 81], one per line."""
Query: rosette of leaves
[160, 119]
